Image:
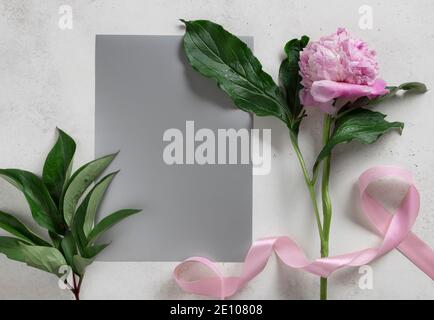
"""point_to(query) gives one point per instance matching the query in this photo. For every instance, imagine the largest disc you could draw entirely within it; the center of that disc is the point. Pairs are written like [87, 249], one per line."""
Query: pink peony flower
[338, 67]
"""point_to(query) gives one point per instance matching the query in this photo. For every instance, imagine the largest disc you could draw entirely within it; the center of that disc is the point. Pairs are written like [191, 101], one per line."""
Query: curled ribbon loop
[395, 230]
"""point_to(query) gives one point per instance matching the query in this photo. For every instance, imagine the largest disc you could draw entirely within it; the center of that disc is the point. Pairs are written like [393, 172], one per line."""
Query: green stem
[309, 183]
[326, 203]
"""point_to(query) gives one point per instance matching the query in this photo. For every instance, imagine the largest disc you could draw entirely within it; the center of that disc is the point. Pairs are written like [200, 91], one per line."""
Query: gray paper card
[144, 87]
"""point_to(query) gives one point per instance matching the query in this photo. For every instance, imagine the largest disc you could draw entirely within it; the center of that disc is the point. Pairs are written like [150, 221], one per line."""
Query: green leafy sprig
[54, 202]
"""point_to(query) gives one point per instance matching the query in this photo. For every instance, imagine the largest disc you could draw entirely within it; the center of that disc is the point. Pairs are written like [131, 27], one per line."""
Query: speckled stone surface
[47, 80]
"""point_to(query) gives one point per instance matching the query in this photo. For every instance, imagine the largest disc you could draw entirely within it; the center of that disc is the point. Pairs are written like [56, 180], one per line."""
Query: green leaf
[87, 211]
[416, 87]
[95, 197]
[86, 251]
[109, 222]
[77, 226]
[69, 249]
[43, 209]
[44, 258]
[57, 167]
[55, 239]
[17, 228]
[11, 248]
[408, 87]
[360, 124]
[93, 250]
[289, 77]
[80, 181]
[81, 264]
[217, 54]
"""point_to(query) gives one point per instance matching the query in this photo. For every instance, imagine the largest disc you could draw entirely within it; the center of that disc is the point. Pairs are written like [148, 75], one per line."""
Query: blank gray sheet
[144, 86]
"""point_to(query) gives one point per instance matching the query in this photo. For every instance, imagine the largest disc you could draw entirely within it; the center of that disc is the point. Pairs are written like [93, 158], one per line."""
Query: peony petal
[379, 88]
[326, 90]
[307, 100]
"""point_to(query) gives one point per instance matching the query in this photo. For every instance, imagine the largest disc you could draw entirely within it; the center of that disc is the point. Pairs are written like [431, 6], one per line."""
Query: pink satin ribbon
[395, 230]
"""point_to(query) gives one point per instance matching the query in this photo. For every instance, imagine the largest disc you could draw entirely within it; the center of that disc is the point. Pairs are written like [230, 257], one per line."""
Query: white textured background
[47, 80]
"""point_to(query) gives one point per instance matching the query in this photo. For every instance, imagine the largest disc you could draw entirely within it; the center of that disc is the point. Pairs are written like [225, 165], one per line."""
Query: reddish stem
[76, 288]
